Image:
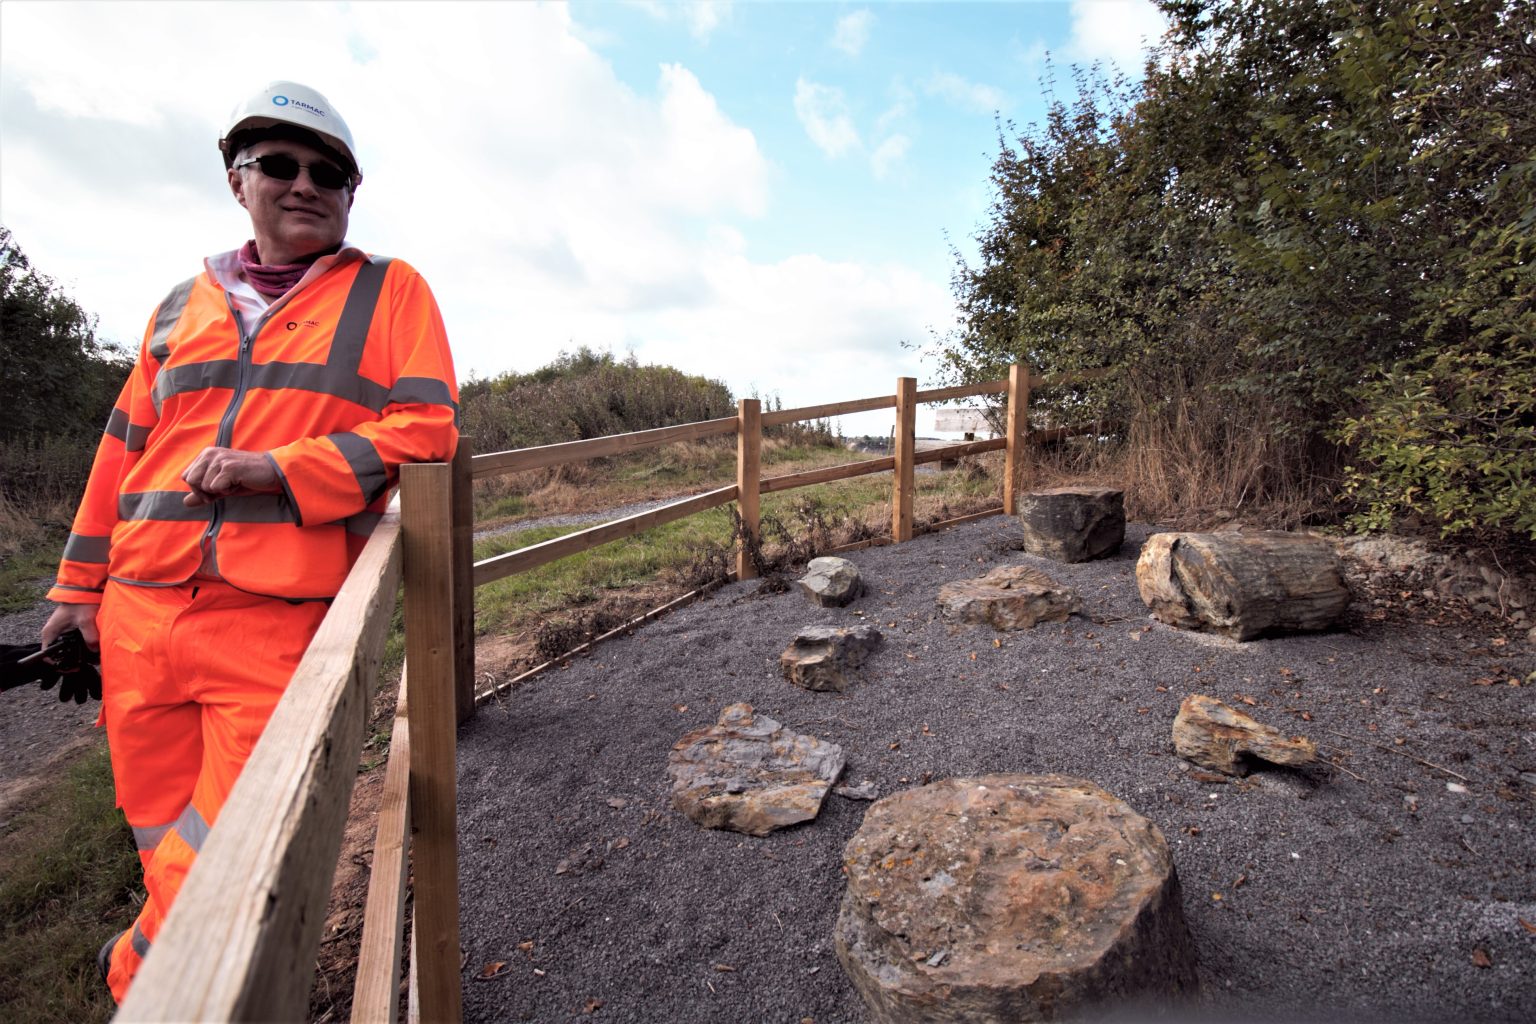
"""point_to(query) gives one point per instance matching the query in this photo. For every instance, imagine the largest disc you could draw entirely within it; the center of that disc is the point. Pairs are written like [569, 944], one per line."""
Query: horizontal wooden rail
[990, 387]
[491, 569]
[956, 451]
[845, 471]
[240, 941]
[821, 412]
[517, 460]
[375, 997]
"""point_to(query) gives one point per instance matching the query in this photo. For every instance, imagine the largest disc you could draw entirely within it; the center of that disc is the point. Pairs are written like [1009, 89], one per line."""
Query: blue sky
[764, 193]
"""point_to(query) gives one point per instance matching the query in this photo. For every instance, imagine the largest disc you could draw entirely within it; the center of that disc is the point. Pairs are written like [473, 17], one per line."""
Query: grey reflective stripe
[146, 839]
[85, 547]
[357, 315]
[163, 505]
[422, 391]
[117, 425]
[178, 380]
[171, 308]
[192, 828]
[323, 379]
[362, 524]
[259, 508]
[139, 942]
[83, 590]
[366, 465]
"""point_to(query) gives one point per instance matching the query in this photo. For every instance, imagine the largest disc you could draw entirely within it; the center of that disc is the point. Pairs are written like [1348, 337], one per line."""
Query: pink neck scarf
[273, 281]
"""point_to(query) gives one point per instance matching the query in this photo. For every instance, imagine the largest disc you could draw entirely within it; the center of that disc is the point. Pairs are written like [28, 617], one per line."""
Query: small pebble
[1467, 819]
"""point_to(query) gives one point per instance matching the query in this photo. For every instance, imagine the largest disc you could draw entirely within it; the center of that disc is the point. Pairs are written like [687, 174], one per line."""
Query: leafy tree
[58, 378]
[1308, 219]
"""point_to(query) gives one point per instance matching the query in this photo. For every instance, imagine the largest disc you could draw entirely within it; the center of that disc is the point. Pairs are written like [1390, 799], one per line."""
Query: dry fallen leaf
[1247, 700]
[895, 746]
[494, 969]
[618, 803]
[725, 968]
[1306, 716]
[680, 708]
[996, 642]
[1484, 681]
[1480, 958]
[1239, 882]
[1527, 925]
[1216, 897]
[1162, 689]
[973, 655]
[1142, 711]
[526, 947]
[592, 1005]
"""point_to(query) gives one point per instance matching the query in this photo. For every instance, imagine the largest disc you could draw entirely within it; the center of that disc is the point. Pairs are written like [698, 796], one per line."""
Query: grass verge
[69, 880]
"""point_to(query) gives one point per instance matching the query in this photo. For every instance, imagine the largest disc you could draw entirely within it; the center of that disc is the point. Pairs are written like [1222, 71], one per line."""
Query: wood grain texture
[1017, 436]
[240, 942]
[818, 412]
[535, 555]
[749, 468]
[517, 460]
[956, 451]
[463, 584]
[990, 387]
[375, 996]
[906, 446]
[426, 516]
[827, 474]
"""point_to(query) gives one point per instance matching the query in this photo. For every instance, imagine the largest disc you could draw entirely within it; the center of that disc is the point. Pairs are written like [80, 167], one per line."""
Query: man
[250, 453]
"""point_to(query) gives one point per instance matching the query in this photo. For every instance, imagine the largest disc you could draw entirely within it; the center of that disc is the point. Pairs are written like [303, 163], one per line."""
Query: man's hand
[221, 472]
[73, 616]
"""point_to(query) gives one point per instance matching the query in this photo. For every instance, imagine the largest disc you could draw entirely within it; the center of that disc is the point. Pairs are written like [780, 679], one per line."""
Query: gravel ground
[37, 733]
[1389, 896]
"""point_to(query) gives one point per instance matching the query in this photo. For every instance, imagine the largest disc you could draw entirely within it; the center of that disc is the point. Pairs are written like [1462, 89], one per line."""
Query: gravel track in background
[1339, 898]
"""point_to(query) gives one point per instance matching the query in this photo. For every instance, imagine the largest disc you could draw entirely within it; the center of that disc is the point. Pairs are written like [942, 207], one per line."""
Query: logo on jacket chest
[294, 325]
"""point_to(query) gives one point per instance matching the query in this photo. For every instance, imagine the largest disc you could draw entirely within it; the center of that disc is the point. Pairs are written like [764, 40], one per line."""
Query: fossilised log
[1215, 735]
[820, 657]
[1242, 584]
[1010, 898]
[748, 773]
[1008, 597]
[1073, 524]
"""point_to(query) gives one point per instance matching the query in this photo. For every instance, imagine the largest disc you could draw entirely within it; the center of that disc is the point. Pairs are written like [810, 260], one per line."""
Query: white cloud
[547, 202]
[972, 95]
[701, 16]
[823, 112]
[1116, 31]
[888, 153]
[852, 32]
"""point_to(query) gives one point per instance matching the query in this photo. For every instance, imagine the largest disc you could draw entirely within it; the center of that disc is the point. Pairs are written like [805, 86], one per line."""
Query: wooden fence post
[426, 523]
[1018, 436]
[463, 581]
[749, 473]
[906, 448]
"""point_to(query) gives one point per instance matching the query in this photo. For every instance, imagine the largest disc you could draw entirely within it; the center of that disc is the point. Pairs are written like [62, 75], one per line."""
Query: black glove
[74, 670]
[15, 672]
[66, 663]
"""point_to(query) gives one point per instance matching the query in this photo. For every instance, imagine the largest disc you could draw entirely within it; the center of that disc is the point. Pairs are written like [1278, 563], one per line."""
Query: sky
[772, 195]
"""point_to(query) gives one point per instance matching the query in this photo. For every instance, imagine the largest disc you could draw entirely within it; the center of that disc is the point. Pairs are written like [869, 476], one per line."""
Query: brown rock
[1073, 524]
[748, 773]
[1009, 597]
[1243, 585]
[820, 657]
[1210, 733]
[1010, 898]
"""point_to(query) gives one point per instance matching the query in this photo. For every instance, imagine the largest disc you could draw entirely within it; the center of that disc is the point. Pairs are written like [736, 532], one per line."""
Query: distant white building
[961, 421]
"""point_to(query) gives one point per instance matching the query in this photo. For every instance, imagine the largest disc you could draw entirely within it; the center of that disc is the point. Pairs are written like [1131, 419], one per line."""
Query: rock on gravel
[1316, 896]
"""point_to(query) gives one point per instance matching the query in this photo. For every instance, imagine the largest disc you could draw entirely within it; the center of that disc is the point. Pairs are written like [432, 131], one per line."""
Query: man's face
[294, 218]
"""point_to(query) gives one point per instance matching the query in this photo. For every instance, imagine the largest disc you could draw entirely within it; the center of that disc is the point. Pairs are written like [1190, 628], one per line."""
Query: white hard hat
[289, 105]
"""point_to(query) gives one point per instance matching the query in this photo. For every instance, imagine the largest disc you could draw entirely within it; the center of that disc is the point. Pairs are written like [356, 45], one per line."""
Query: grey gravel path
[37, 733]
[1339, 898]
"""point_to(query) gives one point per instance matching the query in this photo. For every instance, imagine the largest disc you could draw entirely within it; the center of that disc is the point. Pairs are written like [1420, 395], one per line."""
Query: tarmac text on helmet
[290, 110]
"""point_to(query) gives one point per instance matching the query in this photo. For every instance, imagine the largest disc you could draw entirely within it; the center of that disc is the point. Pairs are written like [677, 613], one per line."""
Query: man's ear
[237, 185]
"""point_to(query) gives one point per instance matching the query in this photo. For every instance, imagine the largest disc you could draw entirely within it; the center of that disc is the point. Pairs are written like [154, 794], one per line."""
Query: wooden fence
[241, 940]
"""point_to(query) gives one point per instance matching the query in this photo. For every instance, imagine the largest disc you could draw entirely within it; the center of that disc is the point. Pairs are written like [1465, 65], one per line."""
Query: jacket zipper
[226, 430]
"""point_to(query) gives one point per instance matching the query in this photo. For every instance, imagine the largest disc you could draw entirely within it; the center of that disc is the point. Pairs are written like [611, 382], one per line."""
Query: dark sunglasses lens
[286, 168]
[327, 175]
[283, 168]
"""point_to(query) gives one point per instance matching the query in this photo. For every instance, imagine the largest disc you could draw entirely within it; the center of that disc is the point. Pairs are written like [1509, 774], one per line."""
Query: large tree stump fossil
[1242, 584]
[1073, 524]
[1010, 898]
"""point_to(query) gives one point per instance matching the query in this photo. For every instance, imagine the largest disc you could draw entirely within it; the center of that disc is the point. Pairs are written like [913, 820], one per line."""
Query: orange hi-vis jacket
[338, 382]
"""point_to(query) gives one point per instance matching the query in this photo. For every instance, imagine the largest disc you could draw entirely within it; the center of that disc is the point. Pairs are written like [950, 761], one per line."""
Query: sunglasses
[283, 167]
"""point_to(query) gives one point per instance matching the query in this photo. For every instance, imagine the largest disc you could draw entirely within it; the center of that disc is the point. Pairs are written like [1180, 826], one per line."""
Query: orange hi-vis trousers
[190, 676]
